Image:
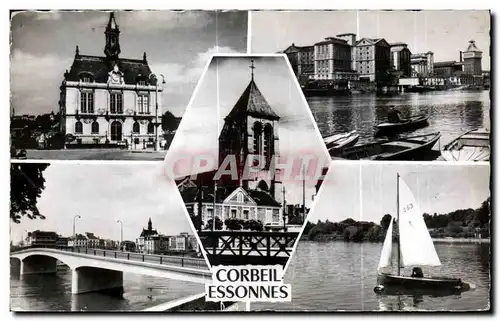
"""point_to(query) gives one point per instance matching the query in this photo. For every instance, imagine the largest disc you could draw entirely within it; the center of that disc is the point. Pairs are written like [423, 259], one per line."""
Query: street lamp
[157, 147]
[121, 234]
[74, 219]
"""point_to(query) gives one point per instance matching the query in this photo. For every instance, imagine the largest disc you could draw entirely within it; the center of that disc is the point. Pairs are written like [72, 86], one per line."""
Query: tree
[218, 224]
[385, 221]
[233, 224]
[169, 122]
[26, 186]
[483, 212]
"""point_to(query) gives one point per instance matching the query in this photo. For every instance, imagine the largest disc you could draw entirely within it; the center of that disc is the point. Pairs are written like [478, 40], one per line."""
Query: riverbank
[334, 238]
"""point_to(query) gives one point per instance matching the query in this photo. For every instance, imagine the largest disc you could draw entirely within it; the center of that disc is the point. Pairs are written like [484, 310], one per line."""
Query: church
[250, 129]
[109, 101]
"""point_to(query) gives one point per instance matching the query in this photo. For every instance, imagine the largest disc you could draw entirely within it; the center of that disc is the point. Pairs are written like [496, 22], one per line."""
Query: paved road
[95, 154]
[148, 258]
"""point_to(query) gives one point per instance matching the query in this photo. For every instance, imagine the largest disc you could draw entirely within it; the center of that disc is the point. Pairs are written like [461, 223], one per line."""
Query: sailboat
[414, 248]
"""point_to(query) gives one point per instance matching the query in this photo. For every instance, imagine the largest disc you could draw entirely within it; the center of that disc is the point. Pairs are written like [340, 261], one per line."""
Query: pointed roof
[472, 46]
[112, 22]
[253, 103]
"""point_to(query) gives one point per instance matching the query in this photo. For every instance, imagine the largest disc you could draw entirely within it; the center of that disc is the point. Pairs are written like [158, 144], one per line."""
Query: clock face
[115, 77]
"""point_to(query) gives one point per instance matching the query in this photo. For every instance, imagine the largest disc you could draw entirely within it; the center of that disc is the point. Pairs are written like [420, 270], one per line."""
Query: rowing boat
[473, 145]
[406, 148]
[336, 143]
[404, 125]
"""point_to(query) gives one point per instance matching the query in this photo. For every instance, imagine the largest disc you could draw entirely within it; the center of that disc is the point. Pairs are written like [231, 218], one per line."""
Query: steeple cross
[252, 67]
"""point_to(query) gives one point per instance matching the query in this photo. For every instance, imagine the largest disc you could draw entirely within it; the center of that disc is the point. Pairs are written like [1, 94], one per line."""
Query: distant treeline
[460, 223]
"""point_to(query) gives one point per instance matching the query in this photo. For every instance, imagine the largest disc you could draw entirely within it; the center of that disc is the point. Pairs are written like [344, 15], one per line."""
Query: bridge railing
[135, 256]
[248, 243]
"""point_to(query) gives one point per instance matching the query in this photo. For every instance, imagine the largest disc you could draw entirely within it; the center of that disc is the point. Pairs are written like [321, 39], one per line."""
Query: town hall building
[110, 101]
[250, 129]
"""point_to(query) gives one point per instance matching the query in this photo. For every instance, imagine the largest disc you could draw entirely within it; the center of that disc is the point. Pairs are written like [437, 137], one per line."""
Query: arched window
[268, 143]
[257, 138]
[151, 128]
[116, 131]
[78, 127]
[136, 128]
[95, 127]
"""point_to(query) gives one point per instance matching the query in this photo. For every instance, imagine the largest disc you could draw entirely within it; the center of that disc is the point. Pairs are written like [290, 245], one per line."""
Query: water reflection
[450, 112]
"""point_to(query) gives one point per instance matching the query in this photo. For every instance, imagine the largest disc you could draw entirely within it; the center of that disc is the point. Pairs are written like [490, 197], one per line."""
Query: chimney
[461, 58]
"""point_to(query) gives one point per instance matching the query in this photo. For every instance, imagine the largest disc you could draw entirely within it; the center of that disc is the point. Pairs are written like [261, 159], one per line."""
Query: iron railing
[133, 256]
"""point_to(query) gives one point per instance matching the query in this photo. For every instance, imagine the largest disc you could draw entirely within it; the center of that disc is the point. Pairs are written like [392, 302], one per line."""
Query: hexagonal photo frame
[249, 148]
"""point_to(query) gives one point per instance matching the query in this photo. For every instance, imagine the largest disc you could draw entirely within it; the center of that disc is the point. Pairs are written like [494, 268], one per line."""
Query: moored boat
[415, 248]
[407, 124]
[335, 143]
[473, 145]
[407, 148]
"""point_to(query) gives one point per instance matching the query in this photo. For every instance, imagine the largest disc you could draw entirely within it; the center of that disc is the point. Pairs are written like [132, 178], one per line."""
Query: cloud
[182, 78]
[34, 81]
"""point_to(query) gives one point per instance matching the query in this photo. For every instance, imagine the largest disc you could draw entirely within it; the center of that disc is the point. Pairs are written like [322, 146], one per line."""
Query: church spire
[150, 225]
[252, 67]
[112, 33]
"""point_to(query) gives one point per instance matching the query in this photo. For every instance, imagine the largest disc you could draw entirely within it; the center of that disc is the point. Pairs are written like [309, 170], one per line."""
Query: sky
[102, 194]
[437, 187]
[178, 45]
[443, 32]
[229, 76]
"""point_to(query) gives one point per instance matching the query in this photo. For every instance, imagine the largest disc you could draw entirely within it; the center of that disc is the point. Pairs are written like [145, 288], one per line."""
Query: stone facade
[110, 101]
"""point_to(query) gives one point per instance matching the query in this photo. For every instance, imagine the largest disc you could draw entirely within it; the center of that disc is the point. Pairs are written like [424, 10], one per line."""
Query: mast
[303, 194]
[399, 232]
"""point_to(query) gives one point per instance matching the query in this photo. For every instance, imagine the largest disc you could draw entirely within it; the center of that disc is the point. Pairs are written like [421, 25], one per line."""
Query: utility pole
[284, 209]
[303, 194]
[121, 234]
[74, 235]
[215, 196]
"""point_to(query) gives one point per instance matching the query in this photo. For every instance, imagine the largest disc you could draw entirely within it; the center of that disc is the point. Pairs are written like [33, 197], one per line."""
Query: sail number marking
[407, 207]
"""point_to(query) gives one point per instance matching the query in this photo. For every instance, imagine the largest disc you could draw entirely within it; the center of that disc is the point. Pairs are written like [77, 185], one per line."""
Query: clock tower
[112, 47]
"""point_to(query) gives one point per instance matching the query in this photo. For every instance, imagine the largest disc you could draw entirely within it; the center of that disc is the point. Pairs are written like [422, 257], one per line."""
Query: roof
[99, 67]
[253, 103]
[472, 46]
[395, 44]
[372, 41]
[332, 40]
[299, 48]
[146, 232]
[446, 64]
[262, 198]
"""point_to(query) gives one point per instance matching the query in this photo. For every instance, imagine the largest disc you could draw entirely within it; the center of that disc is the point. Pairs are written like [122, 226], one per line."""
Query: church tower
[150, 225]
[112, 33]
[251, 128]
[472, 60]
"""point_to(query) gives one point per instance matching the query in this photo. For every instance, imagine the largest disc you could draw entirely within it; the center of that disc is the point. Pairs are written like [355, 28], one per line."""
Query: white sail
[386, 255]
[416, 245]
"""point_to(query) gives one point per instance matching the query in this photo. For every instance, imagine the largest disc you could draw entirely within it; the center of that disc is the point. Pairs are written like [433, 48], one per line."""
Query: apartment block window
[245, 214]
[143, 104]
[233, 213]
[87, 102]
[116, 103]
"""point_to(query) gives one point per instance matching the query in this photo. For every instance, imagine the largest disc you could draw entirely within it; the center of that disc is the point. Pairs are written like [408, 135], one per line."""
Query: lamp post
[157, 146]
[121, 234]
[74, 235]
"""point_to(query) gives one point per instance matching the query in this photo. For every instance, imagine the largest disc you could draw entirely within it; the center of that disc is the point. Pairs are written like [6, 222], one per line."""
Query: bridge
[248, 247]
[102, 270]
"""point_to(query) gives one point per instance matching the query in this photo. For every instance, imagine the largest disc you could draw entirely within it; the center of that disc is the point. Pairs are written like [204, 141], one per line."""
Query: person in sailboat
[417, 272]
[393, 115]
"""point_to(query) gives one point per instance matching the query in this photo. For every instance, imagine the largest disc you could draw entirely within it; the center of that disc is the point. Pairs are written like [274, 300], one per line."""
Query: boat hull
[473, 145]
[409, 148]
[351, 141]
[397, 285]
[415, 123]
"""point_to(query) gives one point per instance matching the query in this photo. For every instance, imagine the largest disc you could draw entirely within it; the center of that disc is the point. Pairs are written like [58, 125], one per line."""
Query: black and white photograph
[387, 236]
[389, 84]
[98, 237]
[248, 147]
[97, 85]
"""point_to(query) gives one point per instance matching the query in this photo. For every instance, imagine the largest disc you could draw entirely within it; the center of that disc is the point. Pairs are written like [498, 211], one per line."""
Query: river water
[53, 293]
[335, 276]
[450, 112]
